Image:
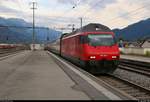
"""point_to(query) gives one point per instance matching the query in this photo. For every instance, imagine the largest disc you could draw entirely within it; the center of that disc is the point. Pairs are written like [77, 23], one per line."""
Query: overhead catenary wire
[133, 18]
[132, 12]
[70, 9]
[110, 20]
[29, 27]
[97, 3]
[63, 18]
[66, 21]
[71, 21]
[129, 13]
[81, 16]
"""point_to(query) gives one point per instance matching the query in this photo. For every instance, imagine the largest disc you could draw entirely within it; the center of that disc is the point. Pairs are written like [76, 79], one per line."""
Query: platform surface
[40, 75]
[35, 76]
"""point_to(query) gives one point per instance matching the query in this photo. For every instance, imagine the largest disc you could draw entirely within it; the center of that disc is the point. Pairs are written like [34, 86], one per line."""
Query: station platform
[136, 58]
[36, 75]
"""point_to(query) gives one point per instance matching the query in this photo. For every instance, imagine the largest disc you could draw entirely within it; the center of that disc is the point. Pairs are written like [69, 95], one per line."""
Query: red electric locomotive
[93, 47]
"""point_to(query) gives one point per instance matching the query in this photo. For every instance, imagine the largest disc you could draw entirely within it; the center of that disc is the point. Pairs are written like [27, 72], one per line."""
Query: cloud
[55, 20]
[4, 9]
[93, 4]
[101, 4]
[66, 1]
[9, 7]
[7, 1]
[114, 13]
[118, 13]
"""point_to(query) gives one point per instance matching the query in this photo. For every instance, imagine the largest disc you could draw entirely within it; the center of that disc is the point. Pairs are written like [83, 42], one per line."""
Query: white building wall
[138, 51]
[37, 46]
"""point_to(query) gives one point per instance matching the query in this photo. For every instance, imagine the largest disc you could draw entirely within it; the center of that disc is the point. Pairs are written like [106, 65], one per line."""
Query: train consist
[12, 46]
[93, 48]
[8, 46]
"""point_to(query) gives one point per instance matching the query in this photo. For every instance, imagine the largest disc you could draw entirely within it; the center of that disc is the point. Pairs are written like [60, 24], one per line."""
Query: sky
[62, 13]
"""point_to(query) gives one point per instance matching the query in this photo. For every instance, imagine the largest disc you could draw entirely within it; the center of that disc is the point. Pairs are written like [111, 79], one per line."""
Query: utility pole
[33, 35]
[47, 35]
[81, 22]
[73, 27]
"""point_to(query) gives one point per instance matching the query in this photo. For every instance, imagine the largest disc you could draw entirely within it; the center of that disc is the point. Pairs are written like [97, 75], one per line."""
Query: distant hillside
[139, 30]
[24, 35]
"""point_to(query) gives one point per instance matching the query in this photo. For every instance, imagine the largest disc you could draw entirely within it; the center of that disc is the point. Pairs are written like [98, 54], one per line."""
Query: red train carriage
[93, 47]
[6, 46]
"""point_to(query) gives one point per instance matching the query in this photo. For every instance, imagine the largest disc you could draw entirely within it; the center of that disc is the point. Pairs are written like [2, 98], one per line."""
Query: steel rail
[135, 90]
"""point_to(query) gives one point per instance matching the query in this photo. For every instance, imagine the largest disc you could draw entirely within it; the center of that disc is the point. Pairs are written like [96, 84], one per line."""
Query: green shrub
[121, 52]
[148, 53]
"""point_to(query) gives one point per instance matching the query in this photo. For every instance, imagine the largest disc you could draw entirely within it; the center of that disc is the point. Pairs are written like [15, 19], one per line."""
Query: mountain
[139, 30]
[21, 34]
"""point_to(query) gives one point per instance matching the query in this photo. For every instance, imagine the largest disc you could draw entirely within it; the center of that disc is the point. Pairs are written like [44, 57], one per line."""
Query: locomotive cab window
[101, 40]
[83, 39]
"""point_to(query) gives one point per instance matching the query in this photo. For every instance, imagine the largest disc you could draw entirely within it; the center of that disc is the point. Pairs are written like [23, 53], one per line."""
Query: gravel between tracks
[134, 77]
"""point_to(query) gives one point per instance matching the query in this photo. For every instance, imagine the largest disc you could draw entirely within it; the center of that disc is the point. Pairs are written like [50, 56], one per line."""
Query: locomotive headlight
[92, 57]
[114, 56]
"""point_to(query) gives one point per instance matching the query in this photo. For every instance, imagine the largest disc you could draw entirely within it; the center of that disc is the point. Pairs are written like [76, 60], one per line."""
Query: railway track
[3, 51]
[8, 52]
[139, 65]
[142, 68]
[134, 90]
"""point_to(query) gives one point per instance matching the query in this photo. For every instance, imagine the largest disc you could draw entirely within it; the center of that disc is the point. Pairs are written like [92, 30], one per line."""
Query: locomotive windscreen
[101, 40]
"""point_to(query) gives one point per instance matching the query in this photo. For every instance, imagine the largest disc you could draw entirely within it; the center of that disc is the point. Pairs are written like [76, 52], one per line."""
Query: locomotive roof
[92, 27]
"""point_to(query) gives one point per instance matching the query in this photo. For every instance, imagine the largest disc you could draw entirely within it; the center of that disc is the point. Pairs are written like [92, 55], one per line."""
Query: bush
[121, 52]
[148, 53]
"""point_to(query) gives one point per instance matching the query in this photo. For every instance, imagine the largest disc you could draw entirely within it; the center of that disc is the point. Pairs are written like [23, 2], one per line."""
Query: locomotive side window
[83, 39]
[101, 39]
